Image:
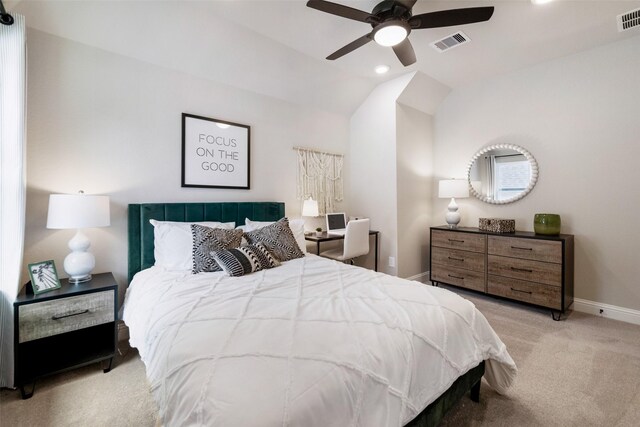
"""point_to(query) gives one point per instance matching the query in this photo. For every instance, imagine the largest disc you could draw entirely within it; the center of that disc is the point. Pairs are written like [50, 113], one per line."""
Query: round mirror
[502, 173]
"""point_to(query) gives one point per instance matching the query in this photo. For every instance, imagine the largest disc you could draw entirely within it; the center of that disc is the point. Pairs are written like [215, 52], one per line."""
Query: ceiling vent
[450, 42]
[629, 20]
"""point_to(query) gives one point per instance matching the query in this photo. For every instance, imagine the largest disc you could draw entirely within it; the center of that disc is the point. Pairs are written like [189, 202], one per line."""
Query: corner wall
[580, 118]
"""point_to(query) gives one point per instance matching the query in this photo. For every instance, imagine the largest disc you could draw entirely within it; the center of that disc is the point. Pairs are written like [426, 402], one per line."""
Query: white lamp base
[452, 217]
[79, 263]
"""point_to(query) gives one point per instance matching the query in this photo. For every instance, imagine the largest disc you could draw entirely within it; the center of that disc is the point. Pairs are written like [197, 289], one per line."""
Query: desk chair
[356, 242]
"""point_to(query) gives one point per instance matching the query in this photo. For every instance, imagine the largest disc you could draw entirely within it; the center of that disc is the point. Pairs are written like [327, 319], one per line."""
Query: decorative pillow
[173, 243]
[296, 225]
[245, 259]
[278, 239]
[207, 240]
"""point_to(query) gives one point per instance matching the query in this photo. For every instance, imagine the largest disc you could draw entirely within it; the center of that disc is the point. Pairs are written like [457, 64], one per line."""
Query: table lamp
[68, 211]
[310, 207]
[453, 188]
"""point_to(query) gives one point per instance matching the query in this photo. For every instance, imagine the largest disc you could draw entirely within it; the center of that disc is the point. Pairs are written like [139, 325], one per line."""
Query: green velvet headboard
[141, 231]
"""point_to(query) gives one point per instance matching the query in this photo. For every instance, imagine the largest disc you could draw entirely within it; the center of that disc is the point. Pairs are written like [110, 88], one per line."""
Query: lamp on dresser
[78, 211]
[453, 188]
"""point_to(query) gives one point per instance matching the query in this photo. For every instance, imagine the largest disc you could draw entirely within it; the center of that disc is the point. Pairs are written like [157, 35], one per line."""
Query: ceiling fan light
[390, 35]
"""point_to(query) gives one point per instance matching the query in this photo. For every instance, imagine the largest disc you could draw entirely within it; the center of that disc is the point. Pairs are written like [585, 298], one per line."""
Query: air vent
[450, 42]
[629, 20]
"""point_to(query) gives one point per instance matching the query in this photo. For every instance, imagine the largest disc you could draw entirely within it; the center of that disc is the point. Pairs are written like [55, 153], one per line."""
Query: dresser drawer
[524, 269]
[458, 240]
[47, 318]
[537, 250]
[457, 258]
[533, 293]
[459, 277]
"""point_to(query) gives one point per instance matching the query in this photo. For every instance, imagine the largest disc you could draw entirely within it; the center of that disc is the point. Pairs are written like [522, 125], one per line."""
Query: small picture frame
[44, 277]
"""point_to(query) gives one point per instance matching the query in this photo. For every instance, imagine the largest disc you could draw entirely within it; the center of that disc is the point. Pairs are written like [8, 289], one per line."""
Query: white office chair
[356, 242]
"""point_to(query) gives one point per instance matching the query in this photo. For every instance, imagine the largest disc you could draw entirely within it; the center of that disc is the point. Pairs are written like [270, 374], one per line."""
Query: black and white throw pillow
[278, 239]
[207, 240]
[245, 259]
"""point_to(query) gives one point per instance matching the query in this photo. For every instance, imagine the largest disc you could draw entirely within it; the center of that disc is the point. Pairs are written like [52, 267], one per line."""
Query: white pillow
[296, 225]
[173, 243]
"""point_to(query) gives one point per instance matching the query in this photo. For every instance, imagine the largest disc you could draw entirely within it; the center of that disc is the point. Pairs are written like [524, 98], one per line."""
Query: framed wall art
[215, 153]
[44, 277]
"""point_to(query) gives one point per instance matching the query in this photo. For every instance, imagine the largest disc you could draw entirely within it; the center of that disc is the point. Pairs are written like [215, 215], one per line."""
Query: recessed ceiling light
[541, 1]
[381, 69]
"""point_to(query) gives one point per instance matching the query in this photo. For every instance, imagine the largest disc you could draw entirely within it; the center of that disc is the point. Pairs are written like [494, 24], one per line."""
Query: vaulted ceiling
[277, 48]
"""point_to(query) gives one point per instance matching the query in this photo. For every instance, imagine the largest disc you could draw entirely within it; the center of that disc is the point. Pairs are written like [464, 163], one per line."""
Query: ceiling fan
[392, 21]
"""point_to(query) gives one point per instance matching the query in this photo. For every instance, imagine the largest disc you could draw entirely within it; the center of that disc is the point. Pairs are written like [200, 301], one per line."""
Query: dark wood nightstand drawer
[48, 318]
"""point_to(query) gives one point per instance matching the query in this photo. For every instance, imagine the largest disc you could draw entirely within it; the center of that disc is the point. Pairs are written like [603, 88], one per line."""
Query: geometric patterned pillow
[278, 239]
[245, 259]
[207, 240]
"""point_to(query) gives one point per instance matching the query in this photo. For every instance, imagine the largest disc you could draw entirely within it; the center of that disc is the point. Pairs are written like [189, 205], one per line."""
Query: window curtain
[320, 177]
[13, 61]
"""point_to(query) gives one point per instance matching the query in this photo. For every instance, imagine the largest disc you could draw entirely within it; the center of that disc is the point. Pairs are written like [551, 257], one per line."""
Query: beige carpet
[583, 371]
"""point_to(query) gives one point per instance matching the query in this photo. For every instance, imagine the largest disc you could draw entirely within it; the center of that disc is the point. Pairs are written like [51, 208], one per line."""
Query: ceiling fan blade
[447, 18]
[407, 3]
[405, 53]
[350, 47]
[344, 11]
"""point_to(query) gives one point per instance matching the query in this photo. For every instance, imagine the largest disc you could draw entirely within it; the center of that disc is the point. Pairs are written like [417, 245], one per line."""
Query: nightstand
[64, 329]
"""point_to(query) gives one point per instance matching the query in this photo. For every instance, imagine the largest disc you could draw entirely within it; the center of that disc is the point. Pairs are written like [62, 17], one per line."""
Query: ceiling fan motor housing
[390, 10]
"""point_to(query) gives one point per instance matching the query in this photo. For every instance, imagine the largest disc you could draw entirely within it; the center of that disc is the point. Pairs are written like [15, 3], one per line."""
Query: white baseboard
[609, 311]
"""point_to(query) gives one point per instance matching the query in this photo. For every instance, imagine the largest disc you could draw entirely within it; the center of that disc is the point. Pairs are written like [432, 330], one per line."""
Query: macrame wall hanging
[320, 177]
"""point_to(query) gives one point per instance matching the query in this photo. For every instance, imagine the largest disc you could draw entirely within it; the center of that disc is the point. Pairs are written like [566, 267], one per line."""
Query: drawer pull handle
[456, 259]
[524, 249]
[75, 313]
[455, 277]
[457, 241]
[522, 269]
[518, 290]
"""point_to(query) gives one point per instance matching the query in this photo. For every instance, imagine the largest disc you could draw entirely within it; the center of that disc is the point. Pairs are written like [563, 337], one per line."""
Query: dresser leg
[108, 368]
[554, 317]
[27, 395]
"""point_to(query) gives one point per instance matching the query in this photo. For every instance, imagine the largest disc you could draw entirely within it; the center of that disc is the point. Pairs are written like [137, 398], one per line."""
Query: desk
[327, 237]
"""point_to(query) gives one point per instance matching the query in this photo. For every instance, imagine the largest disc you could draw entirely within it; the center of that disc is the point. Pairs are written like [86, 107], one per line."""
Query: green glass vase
[547, 224]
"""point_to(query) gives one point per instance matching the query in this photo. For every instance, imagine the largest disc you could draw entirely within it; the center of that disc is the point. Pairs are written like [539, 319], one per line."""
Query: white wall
[108, 124]
[414, 187]
[580, 118]
[372, 164]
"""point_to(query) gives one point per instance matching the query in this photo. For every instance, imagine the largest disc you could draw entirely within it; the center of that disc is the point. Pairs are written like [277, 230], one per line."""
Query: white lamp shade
[310, 207]
[453, 188]
[78, 211]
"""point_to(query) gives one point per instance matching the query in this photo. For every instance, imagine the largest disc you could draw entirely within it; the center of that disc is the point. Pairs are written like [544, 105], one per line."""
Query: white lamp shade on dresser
[78, 211]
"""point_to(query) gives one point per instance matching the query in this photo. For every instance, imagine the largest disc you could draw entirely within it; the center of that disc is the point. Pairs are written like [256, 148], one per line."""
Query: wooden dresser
[521, 266]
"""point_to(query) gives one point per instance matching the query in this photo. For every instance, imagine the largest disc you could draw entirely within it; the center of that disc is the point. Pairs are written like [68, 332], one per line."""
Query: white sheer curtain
[13, 61]
[320, 177]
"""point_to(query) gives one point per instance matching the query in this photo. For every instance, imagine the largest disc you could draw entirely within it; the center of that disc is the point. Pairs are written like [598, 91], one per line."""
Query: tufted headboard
[141, 231]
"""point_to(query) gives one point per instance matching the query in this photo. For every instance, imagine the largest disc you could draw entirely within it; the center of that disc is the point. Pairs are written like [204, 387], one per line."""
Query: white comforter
[311, 343]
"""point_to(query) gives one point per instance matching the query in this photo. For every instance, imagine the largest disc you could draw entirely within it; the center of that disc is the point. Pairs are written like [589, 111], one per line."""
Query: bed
[312, 342]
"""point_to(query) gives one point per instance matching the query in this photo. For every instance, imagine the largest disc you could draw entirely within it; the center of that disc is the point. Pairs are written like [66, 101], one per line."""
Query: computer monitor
[336, 223]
